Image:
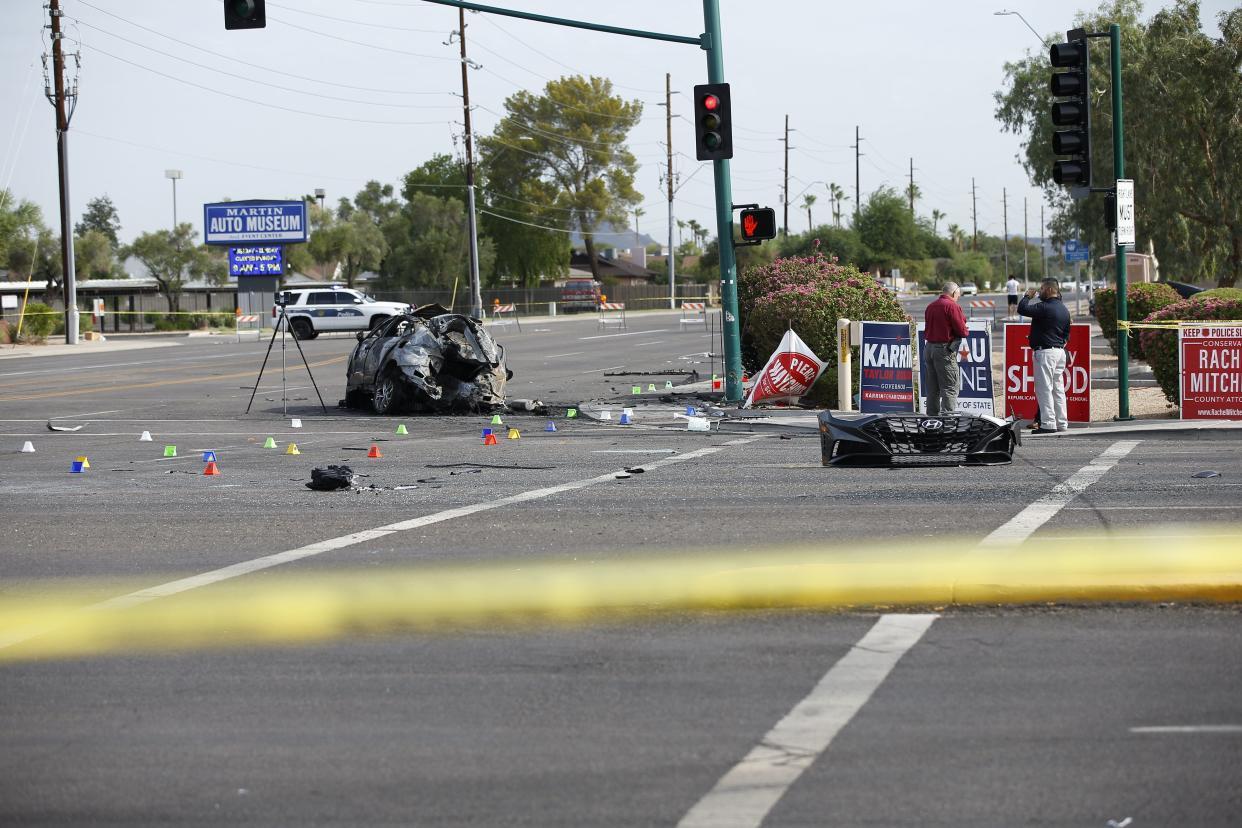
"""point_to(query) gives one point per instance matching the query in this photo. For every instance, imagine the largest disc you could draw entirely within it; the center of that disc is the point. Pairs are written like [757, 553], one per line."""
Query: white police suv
[314, 310]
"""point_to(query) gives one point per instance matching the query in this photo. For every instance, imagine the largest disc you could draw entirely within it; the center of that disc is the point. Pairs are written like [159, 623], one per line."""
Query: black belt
[1047, 347]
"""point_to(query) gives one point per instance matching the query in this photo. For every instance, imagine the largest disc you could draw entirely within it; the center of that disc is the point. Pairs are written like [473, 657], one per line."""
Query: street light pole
[173, 175]
[1023, 19]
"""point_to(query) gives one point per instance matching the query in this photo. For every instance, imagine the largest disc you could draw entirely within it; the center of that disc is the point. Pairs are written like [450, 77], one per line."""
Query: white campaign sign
[1125, 211]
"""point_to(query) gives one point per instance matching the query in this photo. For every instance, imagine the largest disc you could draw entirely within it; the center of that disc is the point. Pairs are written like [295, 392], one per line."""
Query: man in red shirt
[946, 328]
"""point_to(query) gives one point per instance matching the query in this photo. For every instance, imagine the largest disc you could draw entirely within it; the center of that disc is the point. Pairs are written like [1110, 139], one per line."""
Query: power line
[386, 26]
[257, 102]
[364, 44]
[270, 69]
[527, 223]
[249, 79]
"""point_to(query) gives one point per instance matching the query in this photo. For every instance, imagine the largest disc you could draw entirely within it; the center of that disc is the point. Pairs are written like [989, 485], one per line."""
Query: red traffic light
[710, 102]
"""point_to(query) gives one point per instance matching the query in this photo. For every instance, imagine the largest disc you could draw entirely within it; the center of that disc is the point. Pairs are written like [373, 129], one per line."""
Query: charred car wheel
[302, 329]
[387, 397]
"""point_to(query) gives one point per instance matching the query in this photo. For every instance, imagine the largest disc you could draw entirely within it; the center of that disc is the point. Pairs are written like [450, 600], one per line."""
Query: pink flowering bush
[1143, 299]
[809, 293]
[1160, 347]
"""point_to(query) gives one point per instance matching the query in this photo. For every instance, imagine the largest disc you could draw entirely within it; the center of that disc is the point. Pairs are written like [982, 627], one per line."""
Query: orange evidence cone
[211, 468]
[374, 452]
[490, 440]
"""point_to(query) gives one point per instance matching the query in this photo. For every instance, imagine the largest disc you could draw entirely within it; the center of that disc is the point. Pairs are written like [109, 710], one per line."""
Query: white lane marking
[1161, 507]
[749, 790]
[1189, 729]
[609, 368]
[573, 353]
[645, 344]
[236, 570]
[1022, 525]
[89, 414]
[642, 451]
[610, 336]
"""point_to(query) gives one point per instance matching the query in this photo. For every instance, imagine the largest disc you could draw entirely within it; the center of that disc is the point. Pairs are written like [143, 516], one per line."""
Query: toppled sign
[429, 360]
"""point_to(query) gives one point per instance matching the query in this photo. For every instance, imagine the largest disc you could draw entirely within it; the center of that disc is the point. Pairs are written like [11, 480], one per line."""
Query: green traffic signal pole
[709, 42]
[1119, 172]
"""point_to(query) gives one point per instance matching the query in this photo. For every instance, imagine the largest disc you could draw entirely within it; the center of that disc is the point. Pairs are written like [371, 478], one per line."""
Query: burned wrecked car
[427, 360]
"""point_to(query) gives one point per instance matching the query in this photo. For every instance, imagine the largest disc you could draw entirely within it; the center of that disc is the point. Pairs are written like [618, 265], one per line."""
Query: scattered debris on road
[332, 478]
[51, 427]
[1208, 473]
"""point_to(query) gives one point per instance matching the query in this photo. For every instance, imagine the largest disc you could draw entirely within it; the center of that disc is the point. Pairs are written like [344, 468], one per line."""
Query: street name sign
[1125, 211]
[1076, 251]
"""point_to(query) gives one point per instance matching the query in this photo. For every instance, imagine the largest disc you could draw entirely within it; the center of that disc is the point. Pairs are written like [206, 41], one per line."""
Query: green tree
[836, 195]
[1183, 98]
[429, 245]
[93, 257]
[936, 216]
[100, 216]
[576, 132]
[516, 211]
[20, 223]
[172, 258]
[351, 242]
[887, 229]
[442, 176]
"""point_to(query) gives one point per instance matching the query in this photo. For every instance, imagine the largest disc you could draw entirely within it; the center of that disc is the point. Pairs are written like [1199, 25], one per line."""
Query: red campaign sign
[1020, 373]
[789, 373]
[1211, 371]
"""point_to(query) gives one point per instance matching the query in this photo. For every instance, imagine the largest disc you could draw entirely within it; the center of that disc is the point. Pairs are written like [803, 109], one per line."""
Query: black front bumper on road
[917, 439]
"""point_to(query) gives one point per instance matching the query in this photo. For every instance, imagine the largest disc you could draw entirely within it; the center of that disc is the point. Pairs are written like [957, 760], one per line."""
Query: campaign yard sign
[1020, 373]
[1211, 370]
[886, 382]
[789, 373]
[974, 362]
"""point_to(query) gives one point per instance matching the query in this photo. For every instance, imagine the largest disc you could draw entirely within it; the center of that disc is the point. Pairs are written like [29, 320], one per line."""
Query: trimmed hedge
[40, 320]
[809, 293]
[1161, 346]
[1144, 298]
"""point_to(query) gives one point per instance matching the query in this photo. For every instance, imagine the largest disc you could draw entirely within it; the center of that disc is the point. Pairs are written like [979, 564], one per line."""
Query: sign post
[1210, 370]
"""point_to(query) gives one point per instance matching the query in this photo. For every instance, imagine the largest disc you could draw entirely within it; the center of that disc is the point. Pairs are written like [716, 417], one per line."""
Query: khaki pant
[1049, 364]
[943, 377]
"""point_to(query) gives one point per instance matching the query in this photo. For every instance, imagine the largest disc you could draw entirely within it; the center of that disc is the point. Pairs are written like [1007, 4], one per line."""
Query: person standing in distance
[945, 330]
[1012, 288]
[1050, 330]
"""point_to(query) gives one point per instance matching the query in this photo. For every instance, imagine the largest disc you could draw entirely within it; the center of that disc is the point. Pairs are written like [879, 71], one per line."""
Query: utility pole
[974, 218]
[911, 186]
[1043, 253]
[476, 294]
[672, 251]
[1005, 232]
[785, 196]
[1026, 271]
[857, 188]
[65, 101]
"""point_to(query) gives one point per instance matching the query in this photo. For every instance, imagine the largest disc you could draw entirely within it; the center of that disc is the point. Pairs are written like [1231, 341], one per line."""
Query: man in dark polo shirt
[945, 330]
[1050, 330]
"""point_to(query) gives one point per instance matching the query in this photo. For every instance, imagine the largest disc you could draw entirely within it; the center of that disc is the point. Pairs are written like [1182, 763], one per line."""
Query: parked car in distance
[580, 295]
[313, 310]
[969, 289]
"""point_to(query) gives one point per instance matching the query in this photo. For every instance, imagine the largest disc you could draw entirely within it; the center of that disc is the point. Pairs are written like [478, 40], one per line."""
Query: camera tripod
[282, 328]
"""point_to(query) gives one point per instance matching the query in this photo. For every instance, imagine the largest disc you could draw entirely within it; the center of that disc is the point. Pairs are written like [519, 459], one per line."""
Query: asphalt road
[1049, 715]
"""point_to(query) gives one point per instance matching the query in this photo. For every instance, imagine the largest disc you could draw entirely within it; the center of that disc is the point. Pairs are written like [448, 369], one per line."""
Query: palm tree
[936, 217]
[807, 201]
[958, 237]
[835, 194]
[695, 229]
[681, 228]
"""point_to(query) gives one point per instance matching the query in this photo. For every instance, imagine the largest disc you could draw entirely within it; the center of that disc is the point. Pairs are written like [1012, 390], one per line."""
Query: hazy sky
[335, 92]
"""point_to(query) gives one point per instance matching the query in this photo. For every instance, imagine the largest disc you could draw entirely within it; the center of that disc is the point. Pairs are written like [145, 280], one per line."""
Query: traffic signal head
[245, 14]
[757, 224]
[713, 128]
[1074, 113]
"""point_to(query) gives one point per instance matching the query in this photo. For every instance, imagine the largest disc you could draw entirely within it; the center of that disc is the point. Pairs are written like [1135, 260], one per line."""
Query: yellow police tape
[1171, 324]
[55, 621]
